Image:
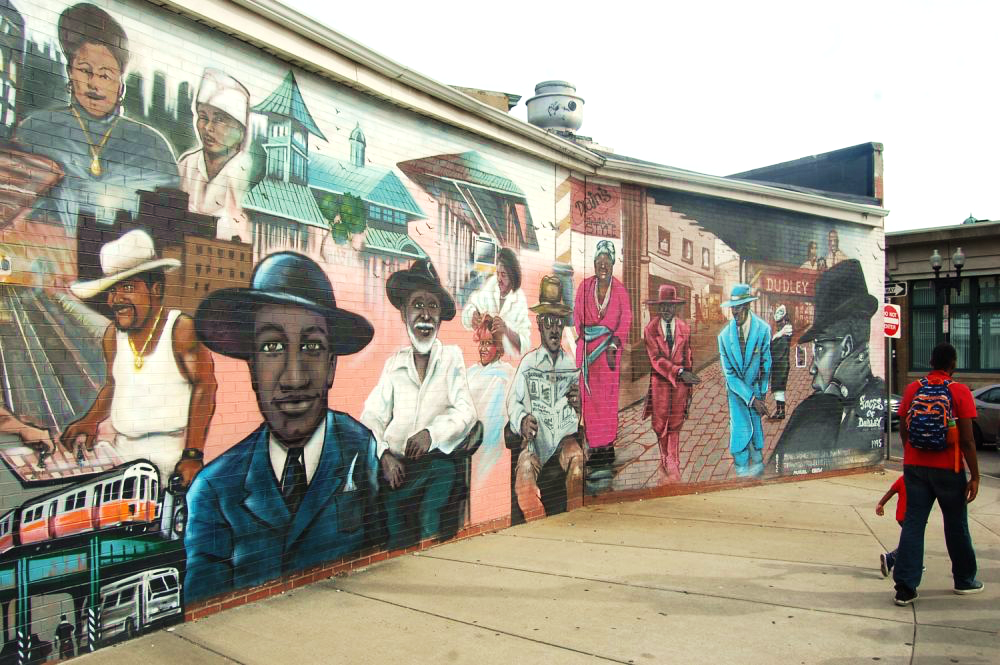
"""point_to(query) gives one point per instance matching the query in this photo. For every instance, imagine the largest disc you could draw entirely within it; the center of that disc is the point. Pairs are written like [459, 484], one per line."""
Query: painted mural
[253, 322]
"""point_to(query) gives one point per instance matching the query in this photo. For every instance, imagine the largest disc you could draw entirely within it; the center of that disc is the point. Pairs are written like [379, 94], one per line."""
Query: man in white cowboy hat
[160, 385]
[421, 410]
[217, 175]
[745, 355]
[544, 408]
[668, 344]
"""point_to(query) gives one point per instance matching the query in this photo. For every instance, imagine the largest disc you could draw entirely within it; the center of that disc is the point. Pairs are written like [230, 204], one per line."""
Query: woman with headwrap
[217, 175]
[106, 158]
[602, 314]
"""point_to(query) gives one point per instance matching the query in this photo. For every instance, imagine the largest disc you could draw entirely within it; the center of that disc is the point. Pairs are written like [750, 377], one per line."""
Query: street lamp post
[947, 283]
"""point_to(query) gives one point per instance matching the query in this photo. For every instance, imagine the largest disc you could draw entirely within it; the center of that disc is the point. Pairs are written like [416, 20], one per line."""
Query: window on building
[687, 252]
[663, 241]
[706, 259]
[973, 322]
[299, 166]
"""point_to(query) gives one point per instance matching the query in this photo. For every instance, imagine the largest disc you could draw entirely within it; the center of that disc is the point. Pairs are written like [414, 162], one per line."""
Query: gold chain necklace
[95, 151]
[137, 358]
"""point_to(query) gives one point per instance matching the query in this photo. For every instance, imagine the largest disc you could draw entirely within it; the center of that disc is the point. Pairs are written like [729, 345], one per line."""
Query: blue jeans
[924, 484]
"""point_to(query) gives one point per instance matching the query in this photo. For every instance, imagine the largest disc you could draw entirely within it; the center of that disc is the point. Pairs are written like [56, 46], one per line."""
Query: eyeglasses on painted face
[550, 320]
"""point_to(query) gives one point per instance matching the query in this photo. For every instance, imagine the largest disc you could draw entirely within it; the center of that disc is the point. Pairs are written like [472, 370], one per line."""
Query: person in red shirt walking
[930, 476]
[888, 559]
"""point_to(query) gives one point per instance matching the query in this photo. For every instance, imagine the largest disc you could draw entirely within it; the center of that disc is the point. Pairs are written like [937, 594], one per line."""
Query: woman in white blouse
[502, 298]
[217, 175]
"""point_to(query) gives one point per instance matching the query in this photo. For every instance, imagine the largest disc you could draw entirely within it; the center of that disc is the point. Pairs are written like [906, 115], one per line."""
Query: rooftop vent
[556, 107]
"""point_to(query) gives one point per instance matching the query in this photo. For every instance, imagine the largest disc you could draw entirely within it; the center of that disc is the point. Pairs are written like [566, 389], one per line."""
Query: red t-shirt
[900, 488]
[962, 406]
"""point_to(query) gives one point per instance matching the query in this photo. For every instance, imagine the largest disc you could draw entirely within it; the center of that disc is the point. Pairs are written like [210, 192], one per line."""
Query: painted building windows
[687, 254]
[664, 241]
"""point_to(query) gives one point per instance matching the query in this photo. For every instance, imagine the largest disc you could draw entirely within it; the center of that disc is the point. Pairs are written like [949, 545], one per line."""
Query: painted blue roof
[285, 199]
[287, 101]
[392, 242]
[374, 184]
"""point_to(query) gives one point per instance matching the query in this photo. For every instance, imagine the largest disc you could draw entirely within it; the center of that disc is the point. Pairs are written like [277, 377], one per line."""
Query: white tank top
[155, 398]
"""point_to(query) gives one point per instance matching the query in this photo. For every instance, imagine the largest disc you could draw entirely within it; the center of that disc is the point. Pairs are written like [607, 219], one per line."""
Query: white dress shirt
[673, 330]
[311, 452]
[673, 336]
[400, 405]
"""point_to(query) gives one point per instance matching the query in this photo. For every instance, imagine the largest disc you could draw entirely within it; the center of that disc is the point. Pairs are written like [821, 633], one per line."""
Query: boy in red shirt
[888, 559]
[930, 476]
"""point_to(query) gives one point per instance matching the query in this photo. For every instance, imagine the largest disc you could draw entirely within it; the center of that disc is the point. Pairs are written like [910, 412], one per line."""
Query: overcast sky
[723, 87]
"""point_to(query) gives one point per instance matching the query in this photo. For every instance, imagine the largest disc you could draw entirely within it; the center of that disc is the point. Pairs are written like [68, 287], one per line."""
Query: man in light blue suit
[745, 354]
[299, 491]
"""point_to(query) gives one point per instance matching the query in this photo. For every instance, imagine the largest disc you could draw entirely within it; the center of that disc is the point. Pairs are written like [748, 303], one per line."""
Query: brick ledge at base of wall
[342, 567]
[678, 489]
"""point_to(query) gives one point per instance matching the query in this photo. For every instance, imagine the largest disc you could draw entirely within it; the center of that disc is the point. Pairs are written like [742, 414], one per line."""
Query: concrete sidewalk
[780, 573]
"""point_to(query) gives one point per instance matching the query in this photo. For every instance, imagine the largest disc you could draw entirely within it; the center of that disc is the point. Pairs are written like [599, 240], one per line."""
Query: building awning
[390, 242]
[477, 192]
[285, 199]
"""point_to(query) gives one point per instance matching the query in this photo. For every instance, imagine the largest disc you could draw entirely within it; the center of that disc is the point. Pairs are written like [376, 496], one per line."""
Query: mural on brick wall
[253, 323]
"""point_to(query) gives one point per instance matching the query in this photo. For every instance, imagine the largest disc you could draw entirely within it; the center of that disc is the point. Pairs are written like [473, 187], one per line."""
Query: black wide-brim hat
[420, 276]
[225, 319]
[841, 293]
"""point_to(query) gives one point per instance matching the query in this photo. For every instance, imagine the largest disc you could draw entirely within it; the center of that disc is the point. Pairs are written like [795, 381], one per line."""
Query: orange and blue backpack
[929, 416]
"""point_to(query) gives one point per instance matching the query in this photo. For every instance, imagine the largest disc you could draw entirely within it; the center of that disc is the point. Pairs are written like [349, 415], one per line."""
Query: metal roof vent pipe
[556, 107]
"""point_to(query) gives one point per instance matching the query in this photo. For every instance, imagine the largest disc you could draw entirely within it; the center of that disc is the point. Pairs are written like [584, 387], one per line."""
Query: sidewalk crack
[208, 649]
[499, 631]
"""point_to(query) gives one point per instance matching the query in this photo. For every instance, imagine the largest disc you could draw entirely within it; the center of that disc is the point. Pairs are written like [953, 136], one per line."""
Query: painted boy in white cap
[217, 175]
[160, 397]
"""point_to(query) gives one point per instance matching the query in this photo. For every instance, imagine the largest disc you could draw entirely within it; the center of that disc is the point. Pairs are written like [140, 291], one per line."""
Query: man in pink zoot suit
[602, 315]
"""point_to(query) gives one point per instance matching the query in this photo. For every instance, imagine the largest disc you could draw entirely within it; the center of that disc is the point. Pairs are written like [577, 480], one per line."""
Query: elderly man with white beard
[421, 410]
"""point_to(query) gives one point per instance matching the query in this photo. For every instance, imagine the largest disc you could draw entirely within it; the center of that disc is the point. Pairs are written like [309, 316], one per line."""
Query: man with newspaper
[544, 409]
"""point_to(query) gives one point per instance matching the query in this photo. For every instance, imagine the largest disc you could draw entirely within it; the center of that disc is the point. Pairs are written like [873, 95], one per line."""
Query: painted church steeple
[289, 124]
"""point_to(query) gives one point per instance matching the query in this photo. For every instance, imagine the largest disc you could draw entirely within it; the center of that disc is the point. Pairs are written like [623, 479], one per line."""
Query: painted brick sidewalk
[704, 451]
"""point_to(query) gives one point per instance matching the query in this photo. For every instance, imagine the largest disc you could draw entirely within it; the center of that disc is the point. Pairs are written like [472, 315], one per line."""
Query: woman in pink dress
[602, 315]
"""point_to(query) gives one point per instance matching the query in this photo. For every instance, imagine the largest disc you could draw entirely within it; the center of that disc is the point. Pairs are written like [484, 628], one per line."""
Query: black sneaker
[884, 563]
[904, 595]
[975, 587]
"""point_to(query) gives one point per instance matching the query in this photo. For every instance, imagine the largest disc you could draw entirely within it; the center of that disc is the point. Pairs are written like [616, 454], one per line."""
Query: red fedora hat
[667, 294]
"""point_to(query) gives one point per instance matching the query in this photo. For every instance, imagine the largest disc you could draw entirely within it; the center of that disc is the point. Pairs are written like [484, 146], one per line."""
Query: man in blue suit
[298, 491]
[745, 354]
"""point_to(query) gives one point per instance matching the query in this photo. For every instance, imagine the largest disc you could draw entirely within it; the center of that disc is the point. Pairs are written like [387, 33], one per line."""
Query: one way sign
[895, 289]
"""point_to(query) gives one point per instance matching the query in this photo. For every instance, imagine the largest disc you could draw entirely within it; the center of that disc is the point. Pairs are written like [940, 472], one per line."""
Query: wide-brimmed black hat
[841, 293]
[225, 319]
[421, 275]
